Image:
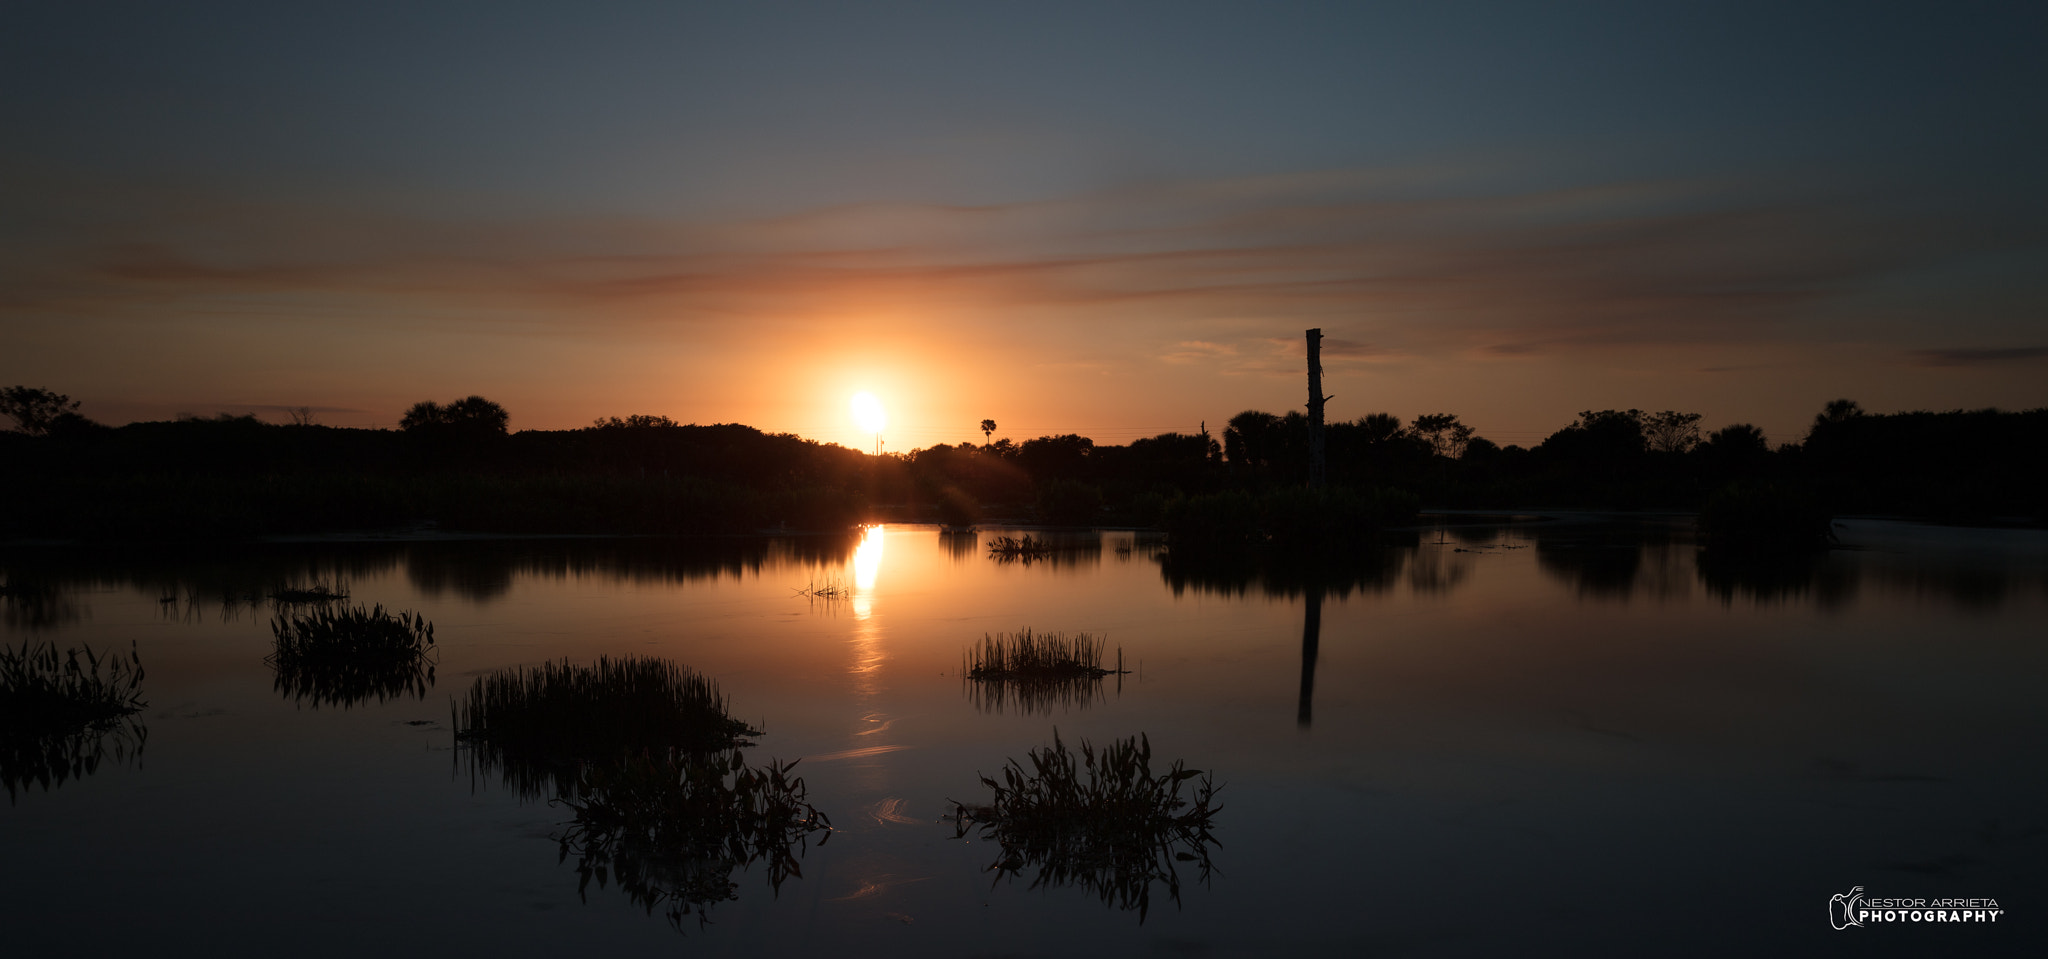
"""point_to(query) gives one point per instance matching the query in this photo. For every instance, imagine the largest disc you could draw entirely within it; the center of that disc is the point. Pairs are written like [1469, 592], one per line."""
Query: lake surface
[1572, 734]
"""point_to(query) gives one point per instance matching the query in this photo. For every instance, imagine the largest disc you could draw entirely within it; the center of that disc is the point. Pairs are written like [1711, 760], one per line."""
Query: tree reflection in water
[1114, 833]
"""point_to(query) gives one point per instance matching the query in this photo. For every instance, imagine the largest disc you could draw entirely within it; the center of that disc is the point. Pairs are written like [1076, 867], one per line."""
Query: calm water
[1568, 733]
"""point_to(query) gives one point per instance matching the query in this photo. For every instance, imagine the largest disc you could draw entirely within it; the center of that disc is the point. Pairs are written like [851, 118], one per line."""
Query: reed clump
[1005, 547]
[832, 588]
[1037, 671]
[309, 594]
[347, 655]
[41, 689]
[1025, 655]
[1100, 820]
[671, 827]
[351, 633]
[536, 724]
[62, 715]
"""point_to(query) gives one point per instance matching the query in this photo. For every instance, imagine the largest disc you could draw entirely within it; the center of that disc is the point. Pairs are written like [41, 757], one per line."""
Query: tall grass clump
[61, 715]
[312, 593]
[1005, 547]
[670, 828]
[347, 655]
[1037, 671]
[1027, 655]
[535, 724]
[1100, 820]
[1070, 548]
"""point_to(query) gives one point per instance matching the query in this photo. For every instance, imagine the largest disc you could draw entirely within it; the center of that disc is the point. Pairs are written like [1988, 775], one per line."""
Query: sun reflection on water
[867, 566]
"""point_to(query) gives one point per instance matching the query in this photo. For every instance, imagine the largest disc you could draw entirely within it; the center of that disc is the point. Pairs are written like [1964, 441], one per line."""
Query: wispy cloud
[2009, 354]
[1406, 264]
[1192, 351]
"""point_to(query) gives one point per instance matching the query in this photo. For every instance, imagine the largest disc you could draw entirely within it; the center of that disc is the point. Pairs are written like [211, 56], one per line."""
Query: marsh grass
[1005, 547]
[1100, 820]
[61, 716]
[671, 827]
[1059, 549]
[1028, 655]
[534, 725]
[347, 655]
[310, 594]
[1038, 672]
[828, 594]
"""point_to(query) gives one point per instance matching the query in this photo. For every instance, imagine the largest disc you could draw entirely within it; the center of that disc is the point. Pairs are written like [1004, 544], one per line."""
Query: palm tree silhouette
[988, 429]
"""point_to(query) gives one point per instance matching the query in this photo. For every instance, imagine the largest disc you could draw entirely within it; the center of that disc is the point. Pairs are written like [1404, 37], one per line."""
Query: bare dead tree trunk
[1315, 409]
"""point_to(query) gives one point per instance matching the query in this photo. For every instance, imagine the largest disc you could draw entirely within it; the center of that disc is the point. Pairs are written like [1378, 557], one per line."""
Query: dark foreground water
[1567, 736]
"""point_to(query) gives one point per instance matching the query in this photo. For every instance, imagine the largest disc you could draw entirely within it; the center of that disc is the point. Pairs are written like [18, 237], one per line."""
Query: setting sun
[868, 412]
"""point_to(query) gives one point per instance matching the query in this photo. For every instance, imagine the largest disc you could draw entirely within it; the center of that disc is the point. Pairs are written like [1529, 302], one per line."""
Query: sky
[1113, 219]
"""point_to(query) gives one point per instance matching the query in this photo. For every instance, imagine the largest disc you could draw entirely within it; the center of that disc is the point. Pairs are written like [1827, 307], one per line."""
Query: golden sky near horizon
[750, 215]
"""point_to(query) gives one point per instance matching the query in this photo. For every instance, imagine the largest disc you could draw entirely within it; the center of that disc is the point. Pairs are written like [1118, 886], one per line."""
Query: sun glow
[868, 412]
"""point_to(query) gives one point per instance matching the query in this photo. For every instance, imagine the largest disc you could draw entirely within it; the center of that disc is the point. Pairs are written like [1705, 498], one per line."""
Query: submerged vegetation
[1105, 823]
[671, 827]
[346, 655]
[61, 715]
[536, 724]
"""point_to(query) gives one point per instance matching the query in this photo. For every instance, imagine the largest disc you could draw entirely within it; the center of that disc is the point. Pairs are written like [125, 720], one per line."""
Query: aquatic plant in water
[534, 725]
[670, 828]
[1114, 831]
[1026, 655]
[63, 715]
[1005, 547]
[347, 655]
[309, 594]
[1037, 670]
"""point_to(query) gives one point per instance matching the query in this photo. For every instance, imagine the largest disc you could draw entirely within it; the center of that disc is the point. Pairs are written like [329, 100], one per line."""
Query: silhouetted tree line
[459, 465]
[1964, 466]
[455, 465]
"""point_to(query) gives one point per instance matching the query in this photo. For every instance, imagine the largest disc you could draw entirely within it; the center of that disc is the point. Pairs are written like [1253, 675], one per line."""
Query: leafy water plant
[670, 827]
[41, 689]
[62, 715]
[347, 655]
[536, 724]
[1104, 823]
